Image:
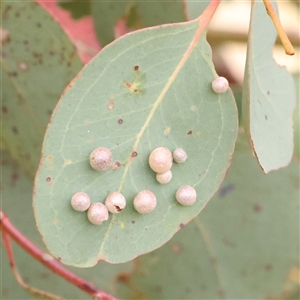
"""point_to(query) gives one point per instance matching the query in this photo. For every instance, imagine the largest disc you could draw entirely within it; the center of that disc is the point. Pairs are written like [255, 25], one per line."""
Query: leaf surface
[133, 15]
[243, 245]
[16, 197]
[151, 88]
[268, 96]
[37, 61]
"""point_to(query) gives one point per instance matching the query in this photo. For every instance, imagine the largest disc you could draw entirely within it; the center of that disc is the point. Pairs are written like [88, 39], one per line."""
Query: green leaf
[135, 14]
[268, 96]
[244, 245]
[297, 117]
[16, 198]
[151, 88]
[78, 9]
[38, 61]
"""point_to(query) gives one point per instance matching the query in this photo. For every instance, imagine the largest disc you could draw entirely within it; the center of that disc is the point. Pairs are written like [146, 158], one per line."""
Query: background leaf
[243, 245]
[268, 96]
[78, 9]
[155, 92]
[38, 61]
[133, 15]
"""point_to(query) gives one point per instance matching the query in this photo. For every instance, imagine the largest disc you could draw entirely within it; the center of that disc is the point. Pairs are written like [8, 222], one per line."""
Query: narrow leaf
[268, 96]
[148, 89]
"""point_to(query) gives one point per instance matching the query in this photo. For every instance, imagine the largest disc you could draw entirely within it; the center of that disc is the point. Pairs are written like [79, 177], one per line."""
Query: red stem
[45, 259]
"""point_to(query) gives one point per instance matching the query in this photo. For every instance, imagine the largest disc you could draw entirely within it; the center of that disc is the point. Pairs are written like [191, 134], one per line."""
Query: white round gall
[179, 155]
[115, 202]
[144, 202]
[97, 213]
[220, 85]
[160, 160]
[101, 159]
[80, 201]
[164, 178]
[186, 195]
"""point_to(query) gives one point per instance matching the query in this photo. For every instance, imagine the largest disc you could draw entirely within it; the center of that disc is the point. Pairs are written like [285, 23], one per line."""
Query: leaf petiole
[288, 47]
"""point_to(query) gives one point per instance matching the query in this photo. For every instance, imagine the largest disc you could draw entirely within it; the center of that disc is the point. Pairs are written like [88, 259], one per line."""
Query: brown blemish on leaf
[48, 179]
[228, 243]
[257, 208]
[266, 117]
[181, 225]
[116, 165]
[136, 68]
[15, 130]
[268, 267]
[167, 130]
[38, 25]
[177, 248]
[4, 35]
[110, 106]
[12, 74]
[23, 66]
[190, 132]
[14, 177]
[4, 110]
[134, 154]
[120, 121]
[133, 222]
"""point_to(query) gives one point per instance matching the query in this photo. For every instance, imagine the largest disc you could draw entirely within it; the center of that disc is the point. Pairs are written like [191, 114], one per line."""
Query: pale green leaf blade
[167, 102]
[38, 61]
[133, 15]
[243, 245]
[268, 96]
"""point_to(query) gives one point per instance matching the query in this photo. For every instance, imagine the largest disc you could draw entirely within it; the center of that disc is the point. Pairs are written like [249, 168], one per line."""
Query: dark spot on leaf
[177, 248]
[225, 190]
[124, 277]
[15, 130]
[48, 179]
[116, 165]
[213, 260]
[17, 14]
[13, 74]
[136, 68]
[51, 53]
[38, 25]
[117, 208]
[49, 112]
[3, 54]
[134, 154]
[69, 64]
[120, 121]
[268, 92]
[257, 208]
[266, 117]
[58, 258]
[14, 177]
[135, 90]
[128, 85]
[44, 275]
[25, 42]
[133, 222]
[4, 110]
[228, 243]
[181, 225]
[190, 132]
[158, 289]
[222, 294]
[269, 267]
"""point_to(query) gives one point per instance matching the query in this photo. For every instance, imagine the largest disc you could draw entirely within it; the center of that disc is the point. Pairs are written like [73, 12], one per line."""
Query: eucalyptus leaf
[148, 89]
[38, 61]
[268, 95]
